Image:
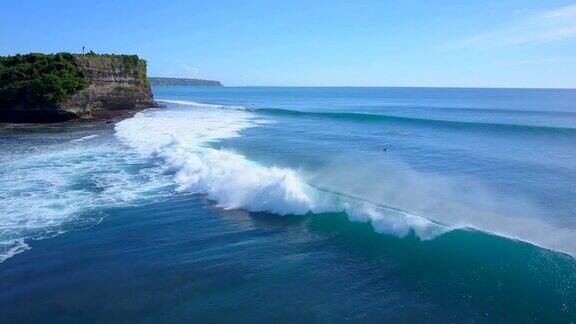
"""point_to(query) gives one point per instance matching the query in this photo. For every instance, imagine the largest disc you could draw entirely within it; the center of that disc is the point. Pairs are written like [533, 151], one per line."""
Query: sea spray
[452, 201]
[185, 256]
[180, 136]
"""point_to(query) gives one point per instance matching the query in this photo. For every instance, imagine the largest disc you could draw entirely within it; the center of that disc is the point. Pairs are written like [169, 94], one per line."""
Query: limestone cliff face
[115, 83]
[112, 85]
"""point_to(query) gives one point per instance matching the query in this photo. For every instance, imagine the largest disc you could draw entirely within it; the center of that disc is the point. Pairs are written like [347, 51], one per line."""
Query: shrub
[38, 79]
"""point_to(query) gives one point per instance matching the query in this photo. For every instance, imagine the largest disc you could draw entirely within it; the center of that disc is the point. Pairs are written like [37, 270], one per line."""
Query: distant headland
[58, 87]
[166, 82]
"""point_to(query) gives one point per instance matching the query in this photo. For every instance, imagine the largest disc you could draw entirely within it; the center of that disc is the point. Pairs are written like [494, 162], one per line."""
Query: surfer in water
[385, 149]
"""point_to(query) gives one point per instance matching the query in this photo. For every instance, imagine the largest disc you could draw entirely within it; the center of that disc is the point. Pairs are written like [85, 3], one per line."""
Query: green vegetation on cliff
[63, 86]
[38, 79]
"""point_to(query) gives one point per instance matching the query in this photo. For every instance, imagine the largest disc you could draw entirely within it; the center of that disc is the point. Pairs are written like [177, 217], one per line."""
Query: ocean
[288, 204]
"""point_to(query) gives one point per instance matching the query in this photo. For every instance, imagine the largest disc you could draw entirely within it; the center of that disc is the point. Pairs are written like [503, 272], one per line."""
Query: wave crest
[180, 138]
[451, 124]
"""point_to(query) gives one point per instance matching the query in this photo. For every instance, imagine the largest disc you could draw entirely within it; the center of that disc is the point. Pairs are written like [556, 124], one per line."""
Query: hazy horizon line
[366, 86]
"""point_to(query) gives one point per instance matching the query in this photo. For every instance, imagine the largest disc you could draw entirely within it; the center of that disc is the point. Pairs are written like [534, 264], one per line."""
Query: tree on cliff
[38, 79]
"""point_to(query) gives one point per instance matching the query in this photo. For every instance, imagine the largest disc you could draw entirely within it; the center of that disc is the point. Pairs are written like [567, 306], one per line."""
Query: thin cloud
[549, 26]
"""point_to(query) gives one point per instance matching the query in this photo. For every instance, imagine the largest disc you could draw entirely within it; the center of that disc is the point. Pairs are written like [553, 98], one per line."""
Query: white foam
[199, 104]
[180, 137]
[84, 138]
[455, 201]
[57, 184]
[12, 247]
[51, 189]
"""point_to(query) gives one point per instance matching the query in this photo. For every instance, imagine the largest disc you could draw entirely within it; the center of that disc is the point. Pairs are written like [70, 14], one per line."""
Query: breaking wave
[199, 104]
[181, 136]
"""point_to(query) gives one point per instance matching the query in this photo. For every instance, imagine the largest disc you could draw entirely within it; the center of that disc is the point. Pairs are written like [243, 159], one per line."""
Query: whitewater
[318, 203]
[181, 137]
[175, 150]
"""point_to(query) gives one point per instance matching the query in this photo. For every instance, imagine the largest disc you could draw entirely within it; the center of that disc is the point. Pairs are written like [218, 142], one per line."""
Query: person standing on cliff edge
[82, 49]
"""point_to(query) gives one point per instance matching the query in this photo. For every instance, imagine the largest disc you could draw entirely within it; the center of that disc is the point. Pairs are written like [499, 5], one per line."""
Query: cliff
[60, 87]
[163, 82]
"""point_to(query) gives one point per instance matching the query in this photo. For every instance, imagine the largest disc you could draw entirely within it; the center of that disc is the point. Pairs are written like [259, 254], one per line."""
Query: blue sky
[504, 43]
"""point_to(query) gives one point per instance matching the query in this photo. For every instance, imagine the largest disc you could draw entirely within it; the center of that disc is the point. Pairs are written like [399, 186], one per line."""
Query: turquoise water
[296, 204]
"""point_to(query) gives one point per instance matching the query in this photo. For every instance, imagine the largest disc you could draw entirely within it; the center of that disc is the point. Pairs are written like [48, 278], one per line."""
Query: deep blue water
[296, 204]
